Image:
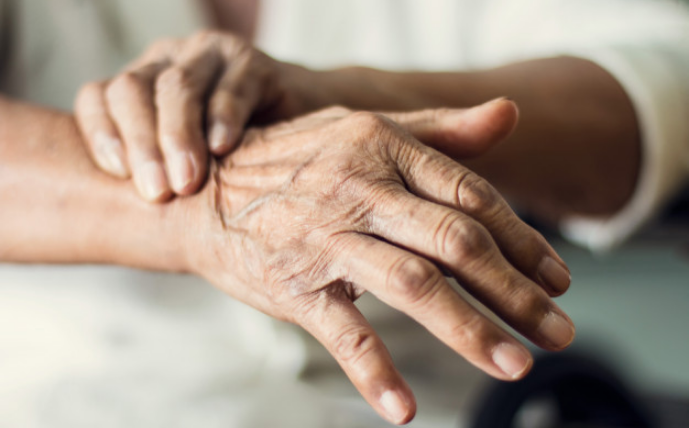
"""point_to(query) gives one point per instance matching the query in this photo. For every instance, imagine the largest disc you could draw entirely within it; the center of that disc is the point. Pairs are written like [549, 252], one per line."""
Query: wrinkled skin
[183, 99]
[308, 215]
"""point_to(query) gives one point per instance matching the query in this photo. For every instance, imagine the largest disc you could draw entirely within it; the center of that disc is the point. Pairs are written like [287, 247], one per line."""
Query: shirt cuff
[657, 84]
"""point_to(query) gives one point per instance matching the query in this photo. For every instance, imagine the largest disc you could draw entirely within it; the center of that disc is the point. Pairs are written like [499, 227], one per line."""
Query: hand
[159, 118]
[308, 215]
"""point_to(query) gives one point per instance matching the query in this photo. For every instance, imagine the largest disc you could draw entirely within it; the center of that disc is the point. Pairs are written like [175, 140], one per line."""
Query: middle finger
[130, 100]
[464, 246]
[180, 91]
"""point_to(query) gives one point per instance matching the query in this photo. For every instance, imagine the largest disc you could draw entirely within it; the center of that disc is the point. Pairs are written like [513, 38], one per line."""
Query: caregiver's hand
[304, 217]
[162, 115]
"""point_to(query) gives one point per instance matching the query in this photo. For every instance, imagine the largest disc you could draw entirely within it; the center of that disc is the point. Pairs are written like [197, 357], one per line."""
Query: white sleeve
[644, 44]
[656, 78]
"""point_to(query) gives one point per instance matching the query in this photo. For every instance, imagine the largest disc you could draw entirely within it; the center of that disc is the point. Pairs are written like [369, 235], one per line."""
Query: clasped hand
[303, 217]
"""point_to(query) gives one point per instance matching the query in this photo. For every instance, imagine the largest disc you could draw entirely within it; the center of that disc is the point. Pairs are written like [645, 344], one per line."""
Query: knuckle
[205, 34]
[123, 85]
[413, 280]
[89, 93]
[528, 304]
[462, 240]
[353, 343]
[208, 38]
[476, 195]
[173, 80]
[223, 105]
[535, 242]
[164, 45]
[91, 89]
[368, 121]
[470, 333]
[335, 111]
[374, 134]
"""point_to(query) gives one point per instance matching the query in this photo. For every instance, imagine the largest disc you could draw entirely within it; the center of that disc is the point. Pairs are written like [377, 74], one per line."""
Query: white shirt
[642, 43]
[52, 47]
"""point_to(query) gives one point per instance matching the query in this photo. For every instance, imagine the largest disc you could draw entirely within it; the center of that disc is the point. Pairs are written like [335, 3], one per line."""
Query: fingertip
[399, 406]
[557, 330]
[509, 110]
[364, 358]
[513, 360]
[463, 133]
[497, 119]
[554, 275]
[221, 138]
[151, 182]
[182, 172]
[185, 162]
[109, 154]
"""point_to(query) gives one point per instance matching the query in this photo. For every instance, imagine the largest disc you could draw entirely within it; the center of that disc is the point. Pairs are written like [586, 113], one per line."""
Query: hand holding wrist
[288, 221]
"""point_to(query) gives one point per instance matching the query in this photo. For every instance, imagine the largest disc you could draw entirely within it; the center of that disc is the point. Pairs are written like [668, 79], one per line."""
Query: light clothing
[113, 347]
[643, 43]
[52, 47]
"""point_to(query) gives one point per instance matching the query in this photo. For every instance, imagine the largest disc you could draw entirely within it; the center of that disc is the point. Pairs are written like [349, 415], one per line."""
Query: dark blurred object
[679, 210]
[668, 411]
[563, 391]
[677, 218]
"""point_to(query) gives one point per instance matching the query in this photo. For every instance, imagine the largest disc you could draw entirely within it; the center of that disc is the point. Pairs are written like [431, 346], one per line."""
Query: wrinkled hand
[159, 119]
[308, 215]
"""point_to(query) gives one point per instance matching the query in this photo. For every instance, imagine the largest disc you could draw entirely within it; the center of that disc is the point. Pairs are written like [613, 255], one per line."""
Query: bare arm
[288, 224]
[575, 151]
[57, 207]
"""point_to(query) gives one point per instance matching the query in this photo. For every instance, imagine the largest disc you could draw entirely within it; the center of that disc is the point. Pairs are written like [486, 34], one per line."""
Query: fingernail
[219, 137]
[151, 180]
[109, 153]
[394, 405]
[558, 331]
[553, 274]
[182, 170]
[512, 360]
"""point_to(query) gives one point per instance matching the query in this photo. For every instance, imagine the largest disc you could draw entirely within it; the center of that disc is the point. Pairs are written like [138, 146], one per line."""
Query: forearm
[58, 208]
[575, 151]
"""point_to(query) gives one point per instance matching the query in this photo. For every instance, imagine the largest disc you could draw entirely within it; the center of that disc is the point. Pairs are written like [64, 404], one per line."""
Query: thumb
[462, 133]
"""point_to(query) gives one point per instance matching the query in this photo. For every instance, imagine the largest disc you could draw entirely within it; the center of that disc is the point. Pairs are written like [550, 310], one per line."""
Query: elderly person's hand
[304, 217]
[159, 119]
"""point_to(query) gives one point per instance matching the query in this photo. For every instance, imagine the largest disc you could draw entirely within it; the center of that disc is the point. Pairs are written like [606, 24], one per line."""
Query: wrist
[199, 218]
[137, 233]
[307, 89]
[354, 87]
[362, 88]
